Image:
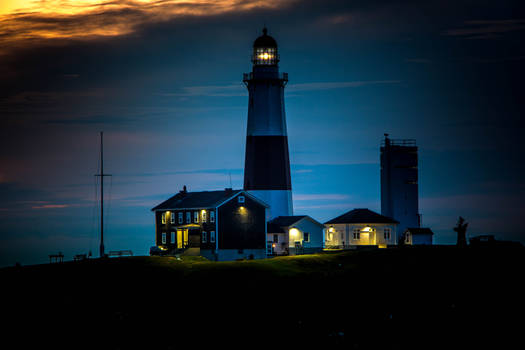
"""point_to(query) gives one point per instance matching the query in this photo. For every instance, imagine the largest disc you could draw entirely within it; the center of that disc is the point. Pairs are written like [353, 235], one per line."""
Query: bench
[120, 253]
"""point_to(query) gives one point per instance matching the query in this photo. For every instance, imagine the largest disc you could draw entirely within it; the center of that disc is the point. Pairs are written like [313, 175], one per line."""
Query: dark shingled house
[219, 225]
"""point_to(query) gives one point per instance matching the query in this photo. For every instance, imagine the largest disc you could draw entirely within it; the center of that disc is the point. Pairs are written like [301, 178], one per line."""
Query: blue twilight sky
[164, 82]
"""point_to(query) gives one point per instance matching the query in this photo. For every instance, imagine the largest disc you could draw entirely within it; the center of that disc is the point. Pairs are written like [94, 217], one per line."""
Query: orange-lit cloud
[23, 21]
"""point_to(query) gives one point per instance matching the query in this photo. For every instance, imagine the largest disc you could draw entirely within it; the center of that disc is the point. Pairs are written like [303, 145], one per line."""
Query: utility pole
[102, 194]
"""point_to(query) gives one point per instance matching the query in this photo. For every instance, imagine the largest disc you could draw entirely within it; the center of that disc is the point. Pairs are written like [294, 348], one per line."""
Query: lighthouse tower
[267, 163]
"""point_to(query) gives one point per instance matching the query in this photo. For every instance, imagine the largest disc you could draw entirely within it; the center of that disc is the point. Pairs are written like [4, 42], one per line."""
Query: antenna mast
[102, 194]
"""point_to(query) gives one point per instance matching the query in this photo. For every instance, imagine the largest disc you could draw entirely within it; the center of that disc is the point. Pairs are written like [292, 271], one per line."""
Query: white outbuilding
[360, 227]
[291, 235]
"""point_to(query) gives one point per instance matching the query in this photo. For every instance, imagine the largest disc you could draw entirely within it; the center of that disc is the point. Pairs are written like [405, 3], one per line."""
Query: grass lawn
[388, 298]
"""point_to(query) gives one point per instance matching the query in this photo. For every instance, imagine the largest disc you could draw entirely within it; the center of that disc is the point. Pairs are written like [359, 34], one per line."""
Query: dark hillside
[421, 297]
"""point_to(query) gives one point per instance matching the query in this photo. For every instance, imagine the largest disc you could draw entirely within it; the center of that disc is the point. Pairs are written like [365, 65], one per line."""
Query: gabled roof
[420, 231]
[192, 200]
[362, 216]
[278, 224]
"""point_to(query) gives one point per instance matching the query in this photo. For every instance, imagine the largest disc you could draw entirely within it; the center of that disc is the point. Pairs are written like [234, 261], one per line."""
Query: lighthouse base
[280, 202]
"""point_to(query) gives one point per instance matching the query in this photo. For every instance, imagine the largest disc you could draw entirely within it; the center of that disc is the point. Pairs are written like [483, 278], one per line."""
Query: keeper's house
[360, 227]
[219, 225]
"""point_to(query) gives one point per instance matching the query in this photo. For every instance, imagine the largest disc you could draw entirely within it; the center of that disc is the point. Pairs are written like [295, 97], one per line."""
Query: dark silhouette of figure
[461, 229]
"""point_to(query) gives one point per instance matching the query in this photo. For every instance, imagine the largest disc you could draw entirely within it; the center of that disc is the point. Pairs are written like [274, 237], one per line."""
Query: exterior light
[331, 229]
[294, 232]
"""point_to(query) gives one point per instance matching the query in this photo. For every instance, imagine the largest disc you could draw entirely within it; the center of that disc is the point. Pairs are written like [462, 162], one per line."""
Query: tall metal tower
[267, 163]
[399, 182]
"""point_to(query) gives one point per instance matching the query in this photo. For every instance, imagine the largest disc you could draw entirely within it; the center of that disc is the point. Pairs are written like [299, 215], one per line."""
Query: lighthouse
[267, 162]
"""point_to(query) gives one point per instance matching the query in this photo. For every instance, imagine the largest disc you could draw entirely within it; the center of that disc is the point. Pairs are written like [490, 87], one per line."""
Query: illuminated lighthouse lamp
[265, 50]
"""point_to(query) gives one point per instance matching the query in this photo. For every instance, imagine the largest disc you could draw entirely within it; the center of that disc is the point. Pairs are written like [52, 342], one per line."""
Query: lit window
[196, 216]
[241, 199]
[212, 216]
[163, 237]
[212, 236]
[204, 237]
[188, 217]
[306, 236]
[172, 218]
[181, 218]
[172, 237]
[204, 216]
[163, 219]
[357, 233]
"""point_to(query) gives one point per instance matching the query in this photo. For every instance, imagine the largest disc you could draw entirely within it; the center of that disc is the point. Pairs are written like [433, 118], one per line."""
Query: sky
[163, 80]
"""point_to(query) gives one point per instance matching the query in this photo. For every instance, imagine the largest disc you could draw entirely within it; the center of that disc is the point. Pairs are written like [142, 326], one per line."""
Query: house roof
[419, 231]
[204, 199]
[278, 224]
[362, 216]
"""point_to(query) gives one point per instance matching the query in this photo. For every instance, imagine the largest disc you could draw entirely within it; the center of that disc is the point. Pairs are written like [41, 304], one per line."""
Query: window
[172, 218]
[204, 238]
[163, 237]
[163, 218]
[212, 236]
[387, 233]
[188, 217]
[212, 216]
[172, 237]
[241, 199]
[357, 233]
[181, 218]
[275, 238]
[407, 237]
[196, 216]
[204, 216]
[306, 236]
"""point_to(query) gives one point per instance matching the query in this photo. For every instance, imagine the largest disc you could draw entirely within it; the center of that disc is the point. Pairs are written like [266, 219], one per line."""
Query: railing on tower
[246, 77]
[405, 142]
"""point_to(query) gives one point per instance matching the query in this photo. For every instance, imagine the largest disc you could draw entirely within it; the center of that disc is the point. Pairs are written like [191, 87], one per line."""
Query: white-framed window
[188, 217]
[204, 218]
[204, 238]
[387, 233]
[172, 217]
[306, 236]
[407, 237]
[275, 238]
[163, 218]
[163, 237]
[181, 217]
[212, 215]
[172, 237]
[357, 233]
[196, 216]
[212, 236]
[241, 199]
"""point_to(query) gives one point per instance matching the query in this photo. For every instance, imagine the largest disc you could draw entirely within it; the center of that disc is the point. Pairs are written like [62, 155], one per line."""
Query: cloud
[240, 90]
[51, 206]
[320, 197]
[66, 19]
[486, 29]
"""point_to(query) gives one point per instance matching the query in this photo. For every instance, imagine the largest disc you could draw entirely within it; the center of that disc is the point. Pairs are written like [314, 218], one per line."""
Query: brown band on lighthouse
[267, 163]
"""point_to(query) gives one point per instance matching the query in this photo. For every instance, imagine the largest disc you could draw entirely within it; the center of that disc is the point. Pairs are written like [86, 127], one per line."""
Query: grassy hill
[413, 296]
